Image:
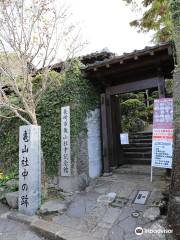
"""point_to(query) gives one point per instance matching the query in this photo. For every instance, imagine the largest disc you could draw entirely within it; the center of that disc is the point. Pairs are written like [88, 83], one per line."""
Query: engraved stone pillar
[29, 169]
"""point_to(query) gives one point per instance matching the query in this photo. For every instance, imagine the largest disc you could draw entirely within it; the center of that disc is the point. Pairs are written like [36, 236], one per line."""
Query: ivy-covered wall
[68, 89]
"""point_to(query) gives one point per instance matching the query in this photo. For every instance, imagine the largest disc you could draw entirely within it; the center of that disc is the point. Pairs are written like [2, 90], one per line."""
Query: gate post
[105, 135]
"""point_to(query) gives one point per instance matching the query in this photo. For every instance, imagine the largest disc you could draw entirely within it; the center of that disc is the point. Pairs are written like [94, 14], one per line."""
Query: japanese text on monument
[25, 167]
[29, 169]
[65, 142]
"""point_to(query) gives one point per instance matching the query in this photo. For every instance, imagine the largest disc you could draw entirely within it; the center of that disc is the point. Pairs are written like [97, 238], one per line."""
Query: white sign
[162, 145]
[162, 154]
[162, 133]
[124, 137]
[65, 142]
[29, 169]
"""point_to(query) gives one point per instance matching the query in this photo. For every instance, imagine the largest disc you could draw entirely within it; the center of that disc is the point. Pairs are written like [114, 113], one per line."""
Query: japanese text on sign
[29, 169]
[163, 113]
[65, 142]
[25, 167]
[162, 133]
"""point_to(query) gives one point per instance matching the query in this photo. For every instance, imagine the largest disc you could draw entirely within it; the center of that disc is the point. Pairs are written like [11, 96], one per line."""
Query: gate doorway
[138, 71]
[111, 116]
[136, 121]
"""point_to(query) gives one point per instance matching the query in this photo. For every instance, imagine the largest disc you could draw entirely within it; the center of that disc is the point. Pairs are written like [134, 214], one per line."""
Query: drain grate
[141, 197]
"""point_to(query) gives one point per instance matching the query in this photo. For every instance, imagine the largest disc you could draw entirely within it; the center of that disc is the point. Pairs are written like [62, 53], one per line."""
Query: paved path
[11, 230]
[116, 223]
[101, 221]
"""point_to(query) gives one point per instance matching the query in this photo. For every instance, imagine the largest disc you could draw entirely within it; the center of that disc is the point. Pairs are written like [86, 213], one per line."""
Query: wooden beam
[157, 55]
[105, 135]
[120, 68]
[110, 129]
[118, 158]
[133, 86]
[161, 83]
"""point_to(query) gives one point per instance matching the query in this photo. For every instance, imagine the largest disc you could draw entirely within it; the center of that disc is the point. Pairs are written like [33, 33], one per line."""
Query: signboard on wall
[163, 113]
[124, 137]
[162, 148]
[162, 144]
[65, 142]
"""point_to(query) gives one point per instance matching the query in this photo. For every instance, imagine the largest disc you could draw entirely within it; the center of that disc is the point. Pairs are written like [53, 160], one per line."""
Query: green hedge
[68, 89]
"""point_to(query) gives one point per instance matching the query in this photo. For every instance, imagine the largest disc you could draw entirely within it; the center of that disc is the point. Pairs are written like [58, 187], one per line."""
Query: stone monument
[29, 169]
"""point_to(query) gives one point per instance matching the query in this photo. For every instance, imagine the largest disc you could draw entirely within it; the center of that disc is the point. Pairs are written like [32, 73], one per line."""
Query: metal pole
[151, 173]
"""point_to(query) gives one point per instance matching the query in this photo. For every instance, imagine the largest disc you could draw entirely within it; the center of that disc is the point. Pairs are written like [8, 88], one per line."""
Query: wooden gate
[111, 128]
[111, 118]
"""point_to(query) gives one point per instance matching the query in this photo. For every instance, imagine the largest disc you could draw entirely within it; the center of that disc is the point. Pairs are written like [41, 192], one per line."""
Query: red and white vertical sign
[162, 144]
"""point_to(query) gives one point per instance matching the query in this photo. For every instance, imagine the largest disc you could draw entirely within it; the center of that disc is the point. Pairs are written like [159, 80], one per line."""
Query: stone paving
[97, 220]
[11, 230]
[105, 222]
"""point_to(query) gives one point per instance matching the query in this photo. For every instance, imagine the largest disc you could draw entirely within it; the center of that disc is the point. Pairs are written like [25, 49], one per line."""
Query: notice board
[162, 141]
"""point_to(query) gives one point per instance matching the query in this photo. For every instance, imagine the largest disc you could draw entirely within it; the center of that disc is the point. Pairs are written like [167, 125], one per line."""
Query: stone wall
[94, 144]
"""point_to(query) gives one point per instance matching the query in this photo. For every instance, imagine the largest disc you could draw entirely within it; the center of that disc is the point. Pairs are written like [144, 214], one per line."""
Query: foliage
[9, 175]
[136, 114]
[156, 17]
[52, 194]
[68, 89]
[169, 87]
[31, 34]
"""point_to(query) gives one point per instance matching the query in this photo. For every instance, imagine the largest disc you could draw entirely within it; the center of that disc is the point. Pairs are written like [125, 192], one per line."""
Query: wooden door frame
[108, 139]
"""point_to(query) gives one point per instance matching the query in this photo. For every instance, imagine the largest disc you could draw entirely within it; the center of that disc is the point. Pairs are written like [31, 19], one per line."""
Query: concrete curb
[21, 217]
[58, 232]
[49, 230]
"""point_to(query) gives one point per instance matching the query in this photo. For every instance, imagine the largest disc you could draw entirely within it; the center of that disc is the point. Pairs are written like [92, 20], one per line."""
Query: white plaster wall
[94, 143]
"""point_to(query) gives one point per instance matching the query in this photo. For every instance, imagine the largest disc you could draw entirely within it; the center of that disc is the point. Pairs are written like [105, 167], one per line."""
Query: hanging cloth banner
[162, 142]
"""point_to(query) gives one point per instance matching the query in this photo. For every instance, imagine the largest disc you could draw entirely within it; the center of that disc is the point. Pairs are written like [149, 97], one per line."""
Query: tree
[156, 17]
[31, 34]
[174, 199]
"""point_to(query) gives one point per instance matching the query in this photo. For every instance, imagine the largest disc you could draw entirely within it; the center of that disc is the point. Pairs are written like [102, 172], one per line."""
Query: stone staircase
[139, 149]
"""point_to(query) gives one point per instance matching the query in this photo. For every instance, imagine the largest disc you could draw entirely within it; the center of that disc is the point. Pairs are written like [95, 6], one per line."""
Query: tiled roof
[133, 55]
[96, 57]
[99, 59]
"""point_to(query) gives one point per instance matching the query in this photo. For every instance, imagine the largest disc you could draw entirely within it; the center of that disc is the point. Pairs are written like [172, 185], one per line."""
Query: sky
[105, 24]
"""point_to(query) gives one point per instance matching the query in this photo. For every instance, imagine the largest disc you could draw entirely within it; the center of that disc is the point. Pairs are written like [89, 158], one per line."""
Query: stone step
[140, 140]
[140, 136]
[142, 133]
[137, 149]
[143, 161]
[139, 169]
[139, 145]
[137, 154]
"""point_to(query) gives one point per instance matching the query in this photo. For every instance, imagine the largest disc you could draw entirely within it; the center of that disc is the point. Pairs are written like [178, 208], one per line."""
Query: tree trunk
[174, 197]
